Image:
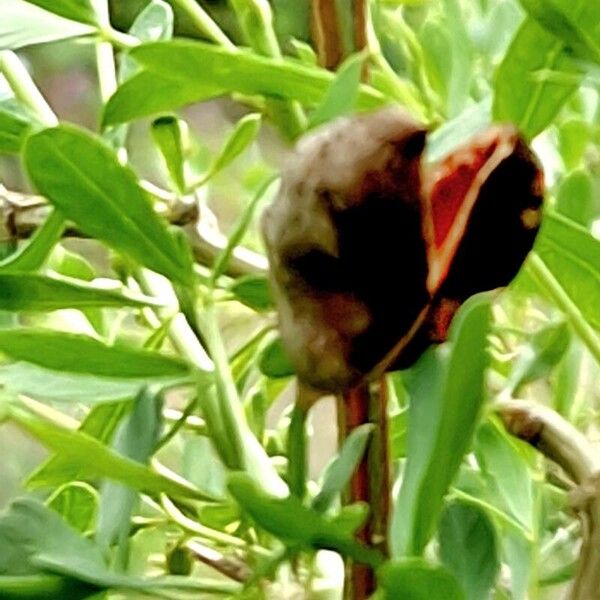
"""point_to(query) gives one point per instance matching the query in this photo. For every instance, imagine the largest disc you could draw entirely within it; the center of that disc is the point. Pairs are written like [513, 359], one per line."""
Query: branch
[561, 442]
[21, 214]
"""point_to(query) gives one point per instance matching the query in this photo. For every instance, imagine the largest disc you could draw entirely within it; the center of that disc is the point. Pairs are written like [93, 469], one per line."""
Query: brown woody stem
[562, 443]
[371, 481]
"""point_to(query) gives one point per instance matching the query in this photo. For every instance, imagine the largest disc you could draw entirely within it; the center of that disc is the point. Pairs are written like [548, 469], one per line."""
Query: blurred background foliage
[452, 56]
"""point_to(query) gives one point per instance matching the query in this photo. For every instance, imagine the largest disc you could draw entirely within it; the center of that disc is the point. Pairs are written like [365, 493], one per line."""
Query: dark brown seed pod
[371, 253]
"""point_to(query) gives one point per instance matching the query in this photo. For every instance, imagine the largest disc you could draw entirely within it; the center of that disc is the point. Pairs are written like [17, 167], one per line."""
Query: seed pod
[371, 252]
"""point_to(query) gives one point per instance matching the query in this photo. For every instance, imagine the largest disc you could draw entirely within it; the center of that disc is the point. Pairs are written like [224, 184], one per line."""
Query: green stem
[546, 280]
[205, 24]
[297, 463]
[256, 21]
[24, 88]
[180, 332]
[229, 406]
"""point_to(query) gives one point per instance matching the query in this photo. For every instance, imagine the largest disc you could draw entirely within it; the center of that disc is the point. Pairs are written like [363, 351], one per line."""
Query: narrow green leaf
[33, 254]
[82, 354]
[572, 254]
[239, 230]
[253, 291]
[446, 390]
[507, 472]
[243, 134]
[24, 24]
[74, 10]
[98, 460]
[83, 178]
[540, 355]
[77, 503]
[574, 137]
[339, 471]
[136, 439]
[171, 137]
[576, 199]
[153, 23]
[49, 587]
[575, 23]
[14, 126]
[148, 92]
[468, 548]
[33, 292]
[519, 97]
[38, 382]
[295, 524]
[416, 579]
[36, 541]
[342, 95]
[194, 68]
[274, 362]
[100, 423]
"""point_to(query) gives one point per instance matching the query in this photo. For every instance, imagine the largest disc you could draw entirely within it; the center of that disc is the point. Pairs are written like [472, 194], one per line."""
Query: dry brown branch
[21, 214]
[562, 443]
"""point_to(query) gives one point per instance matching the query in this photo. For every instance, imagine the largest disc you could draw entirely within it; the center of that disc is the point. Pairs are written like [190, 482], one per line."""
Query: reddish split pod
[372, 251]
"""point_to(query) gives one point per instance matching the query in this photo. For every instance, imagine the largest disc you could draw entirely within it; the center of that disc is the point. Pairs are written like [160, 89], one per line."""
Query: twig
[21, 214]
[326, 33]
[226, 565]
[561, 442]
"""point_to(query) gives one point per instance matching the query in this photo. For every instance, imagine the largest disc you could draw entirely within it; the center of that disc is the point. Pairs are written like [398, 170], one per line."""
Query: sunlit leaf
[468, 548]
[74, 353]
[521, 99]
[447, 392]
[83, 178]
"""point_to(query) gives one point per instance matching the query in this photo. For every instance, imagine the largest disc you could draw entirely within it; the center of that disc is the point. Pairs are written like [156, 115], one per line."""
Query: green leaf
[575, 23]
[507, 472]
[443, 140]
[171, 136]
[416, 579]
[33, 255]
[467, 541]
[338, 473]
[239, 230]
[83, 178]
[74, 353]
[15, 125]
[194, 68]
[295, 524]
[243, 134]
[100, 423]
[74, 10]
[540, 355]
[70, 264]
[575, 198]
[398, 426]
[572, 254]
[31, 380]
[531, 104]
[97, 460]
[136, 439]
[77, 503]
[49, 587]
[304, 52]
[24, 24]
[32, 292]
[574, 136]
[29, 528]
[446, 390]
[34, 540]
[342, 94]
[253, 291]
[274, 362]
[148, 93]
